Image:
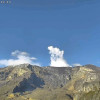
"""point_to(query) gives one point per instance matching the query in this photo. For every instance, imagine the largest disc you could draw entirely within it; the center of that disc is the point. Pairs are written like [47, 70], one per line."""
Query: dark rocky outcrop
[29, 84]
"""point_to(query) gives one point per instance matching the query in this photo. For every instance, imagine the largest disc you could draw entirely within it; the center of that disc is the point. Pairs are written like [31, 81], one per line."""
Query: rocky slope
[27, 82]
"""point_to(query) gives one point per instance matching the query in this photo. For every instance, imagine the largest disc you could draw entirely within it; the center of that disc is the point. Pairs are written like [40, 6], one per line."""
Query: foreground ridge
[29, 82]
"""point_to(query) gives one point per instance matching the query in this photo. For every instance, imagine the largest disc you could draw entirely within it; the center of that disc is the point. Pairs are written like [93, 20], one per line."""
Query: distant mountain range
[28, 82]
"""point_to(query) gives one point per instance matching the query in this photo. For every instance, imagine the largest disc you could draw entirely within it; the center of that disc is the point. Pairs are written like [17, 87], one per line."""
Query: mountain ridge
[49, 83]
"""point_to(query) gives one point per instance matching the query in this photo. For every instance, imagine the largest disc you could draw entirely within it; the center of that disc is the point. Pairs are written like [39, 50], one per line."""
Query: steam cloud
[57, 59]
[77, 64]
[21, 58]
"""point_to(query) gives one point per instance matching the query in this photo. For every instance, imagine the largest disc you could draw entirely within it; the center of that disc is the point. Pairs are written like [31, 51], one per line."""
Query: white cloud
[21, 58]
[77, 64]
[57, 59]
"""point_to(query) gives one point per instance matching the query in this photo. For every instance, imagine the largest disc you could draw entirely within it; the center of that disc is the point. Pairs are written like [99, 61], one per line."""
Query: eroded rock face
[56, 77]
[71, 82]
[29, 84]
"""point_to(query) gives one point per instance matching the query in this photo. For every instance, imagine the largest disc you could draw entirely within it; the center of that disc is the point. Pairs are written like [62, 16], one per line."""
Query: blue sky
[32, 26]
